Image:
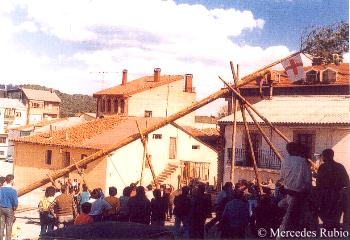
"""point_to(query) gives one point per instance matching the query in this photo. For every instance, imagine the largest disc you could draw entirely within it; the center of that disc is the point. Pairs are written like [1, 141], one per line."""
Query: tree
[327, 43]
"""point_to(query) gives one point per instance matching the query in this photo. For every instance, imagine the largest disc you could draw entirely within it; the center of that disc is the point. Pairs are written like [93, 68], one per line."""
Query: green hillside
[71, 104]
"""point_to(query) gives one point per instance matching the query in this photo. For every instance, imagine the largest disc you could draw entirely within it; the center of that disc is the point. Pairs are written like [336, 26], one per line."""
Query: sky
[66, 45]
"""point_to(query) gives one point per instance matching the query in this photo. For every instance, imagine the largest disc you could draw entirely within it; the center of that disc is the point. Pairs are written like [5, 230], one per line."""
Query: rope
[118, 173]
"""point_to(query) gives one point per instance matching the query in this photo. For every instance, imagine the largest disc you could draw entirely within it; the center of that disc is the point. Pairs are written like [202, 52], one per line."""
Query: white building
[13, 113]
[319, 122]
[177, 155]
[149, 96]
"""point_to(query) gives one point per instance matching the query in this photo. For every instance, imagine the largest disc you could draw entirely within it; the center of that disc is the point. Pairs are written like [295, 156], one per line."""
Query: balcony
[264, 159]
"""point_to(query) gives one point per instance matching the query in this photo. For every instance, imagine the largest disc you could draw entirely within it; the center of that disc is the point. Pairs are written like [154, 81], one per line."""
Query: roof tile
[139, 85]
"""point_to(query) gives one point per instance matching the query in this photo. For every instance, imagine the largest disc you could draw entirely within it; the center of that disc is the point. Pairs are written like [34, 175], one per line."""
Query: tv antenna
[102, 74]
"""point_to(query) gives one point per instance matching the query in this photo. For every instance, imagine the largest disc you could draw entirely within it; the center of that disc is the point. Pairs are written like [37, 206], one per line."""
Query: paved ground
[27, 223]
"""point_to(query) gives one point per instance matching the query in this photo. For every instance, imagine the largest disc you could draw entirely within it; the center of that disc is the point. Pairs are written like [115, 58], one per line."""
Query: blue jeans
[252, 204]
[7, 217]
[46, 222]
[186, 226]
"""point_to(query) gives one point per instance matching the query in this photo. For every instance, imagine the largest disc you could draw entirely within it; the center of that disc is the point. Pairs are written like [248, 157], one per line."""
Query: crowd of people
[292, 203]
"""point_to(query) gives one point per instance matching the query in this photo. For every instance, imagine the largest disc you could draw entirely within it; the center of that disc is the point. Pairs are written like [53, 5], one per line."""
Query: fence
[264, 159]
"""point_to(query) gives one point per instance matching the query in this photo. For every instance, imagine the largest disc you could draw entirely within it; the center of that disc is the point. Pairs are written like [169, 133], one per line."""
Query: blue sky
[285, 20]
[64, 44]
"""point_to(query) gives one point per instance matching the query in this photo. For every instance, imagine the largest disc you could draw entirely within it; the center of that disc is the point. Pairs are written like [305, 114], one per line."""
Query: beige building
[12, 114]
[41, 105]
[314, 112]
[149, 96]
[177, 156]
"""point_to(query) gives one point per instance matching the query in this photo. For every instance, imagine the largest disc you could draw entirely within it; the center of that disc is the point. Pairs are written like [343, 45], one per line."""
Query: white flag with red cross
[294, 68]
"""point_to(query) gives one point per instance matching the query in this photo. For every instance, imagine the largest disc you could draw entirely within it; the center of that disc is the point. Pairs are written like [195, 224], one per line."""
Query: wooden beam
[148, 160]
[241, 98]
[234, 126]
[252, 154]
[274, 149]
[144, 154]
[105, 151]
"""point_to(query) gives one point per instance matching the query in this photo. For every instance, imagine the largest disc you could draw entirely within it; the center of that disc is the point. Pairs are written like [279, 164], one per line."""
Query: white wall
[128, 160]
[163, 101]
[326, 137]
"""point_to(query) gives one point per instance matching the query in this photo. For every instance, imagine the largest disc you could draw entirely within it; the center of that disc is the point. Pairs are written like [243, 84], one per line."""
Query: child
[84, 217]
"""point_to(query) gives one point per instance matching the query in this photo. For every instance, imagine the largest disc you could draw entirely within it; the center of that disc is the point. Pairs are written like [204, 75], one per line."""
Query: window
[329, 76]
[109, 108]
[66, 159]
[195, 146]
[115, 105]
[18, 114]
[2, 139]
[172, 148]
[148, 113]
[306, 138]
[49, 157]
[157, 136]
[2, 153]
[49, 106]
[122, 106]
[229, 156]
[312, 76]
[35, 105]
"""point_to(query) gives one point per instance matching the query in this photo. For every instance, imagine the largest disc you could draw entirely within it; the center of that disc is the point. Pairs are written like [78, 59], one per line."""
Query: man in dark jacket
[158, 208]
[199, 212]
[182, 204]
[331, 180]
[139, 207]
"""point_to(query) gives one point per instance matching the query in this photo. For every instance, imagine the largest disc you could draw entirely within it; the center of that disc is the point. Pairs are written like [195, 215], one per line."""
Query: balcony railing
[264, 159]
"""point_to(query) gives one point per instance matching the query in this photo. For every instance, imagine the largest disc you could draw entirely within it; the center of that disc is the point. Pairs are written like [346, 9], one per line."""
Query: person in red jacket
[84, 217]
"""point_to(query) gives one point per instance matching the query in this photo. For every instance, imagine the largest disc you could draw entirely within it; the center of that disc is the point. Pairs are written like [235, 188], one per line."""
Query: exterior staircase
[167, 171]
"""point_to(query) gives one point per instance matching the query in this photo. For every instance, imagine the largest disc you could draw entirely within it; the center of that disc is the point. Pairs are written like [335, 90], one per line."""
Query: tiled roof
[207, 136]
[342, 76]
[41, 95]
[206, 132]
[319, 110]
[81, 136]
[96, 134]
[12, 103]
[139, 85]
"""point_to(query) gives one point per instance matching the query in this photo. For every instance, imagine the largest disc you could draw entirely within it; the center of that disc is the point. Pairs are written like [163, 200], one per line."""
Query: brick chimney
[188, 83]
[157, 74]
[125, 77]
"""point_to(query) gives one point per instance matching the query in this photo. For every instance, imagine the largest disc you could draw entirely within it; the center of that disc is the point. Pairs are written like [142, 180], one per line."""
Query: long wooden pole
[144, 154]
[97, 155]
[234, 126]
[241, 98]
[252, 154]
[274, 149]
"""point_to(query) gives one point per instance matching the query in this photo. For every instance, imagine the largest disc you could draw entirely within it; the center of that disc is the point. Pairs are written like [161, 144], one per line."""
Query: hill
[71, 104]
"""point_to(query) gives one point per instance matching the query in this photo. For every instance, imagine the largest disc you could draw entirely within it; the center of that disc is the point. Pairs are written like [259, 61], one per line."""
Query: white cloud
[109, 36]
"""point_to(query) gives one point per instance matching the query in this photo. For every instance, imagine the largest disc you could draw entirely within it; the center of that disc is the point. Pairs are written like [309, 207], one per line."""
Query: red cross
[294, 66]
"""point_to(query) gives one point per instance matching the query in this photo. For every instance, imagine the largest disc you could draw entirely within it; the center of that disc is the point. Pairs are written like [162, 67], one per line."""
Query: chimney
[188, 83]
[157, 74]
[125, 77]
[51, 90]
